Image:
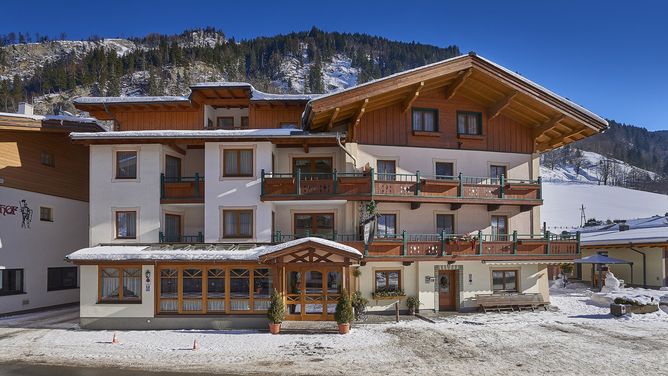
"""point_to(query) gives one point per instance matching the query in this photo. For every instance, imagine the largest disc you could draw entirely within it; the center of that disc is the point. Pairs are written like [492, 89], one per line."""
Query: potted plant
[413, 303]
[344, 312]
[276, 312]
[359, 304]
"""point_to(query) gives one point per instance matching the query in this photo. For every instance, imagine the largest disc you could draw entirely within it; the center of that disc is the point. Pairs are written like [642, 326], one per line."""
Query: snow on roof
[614, 236]
[77, 119]
[222, 84]
[139, 99]
[198, 252]
[214, 133]
[256, 95]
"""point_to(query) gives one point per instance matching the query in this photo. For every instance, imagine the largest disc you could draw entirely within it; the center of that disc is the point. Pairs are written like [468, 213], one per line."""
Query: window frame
[50, 216]
[116, 227]
[60, 286]
[444, 177]
[20, 291]
[314, 221]
[47, 159]
[121, 275]
[498, 166]
[226, 174]
[219, 118]
[498, 235]
[117, 167]
[504, 271]
[396, 226]
[237, 234]
[384, 176]
[387, 278]
[244, 122]
[422, 111]
[454, 229]
[478, 114]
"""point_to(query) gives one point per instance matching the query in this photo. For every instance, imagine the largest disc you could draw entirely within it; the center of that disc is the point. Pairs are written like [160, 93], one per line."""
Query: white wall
[43, 245]
[108, 194]
[235, 193]
[89, 306]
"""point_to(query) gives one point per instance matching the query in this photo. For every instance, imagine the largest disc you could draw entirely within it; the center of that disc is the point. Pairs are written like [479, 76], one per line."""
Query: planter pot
[274, 328]
[411, 311]
[344, 328]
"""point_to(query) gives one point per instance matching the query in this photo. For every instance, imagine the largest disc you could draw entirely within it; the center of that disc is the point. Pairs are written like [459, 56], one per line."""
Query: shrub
[413, 303]
[276, 312]
[359, 304]
[344, 309]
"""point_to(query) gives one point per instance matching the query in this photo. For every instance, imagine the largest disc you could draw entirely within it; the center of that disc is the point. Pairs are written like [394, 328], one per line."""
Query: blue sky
[609, 56]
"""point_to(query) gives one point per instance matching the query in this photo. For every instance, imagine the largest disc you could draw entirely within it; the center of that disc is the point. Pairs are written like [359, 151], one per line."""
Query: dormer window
[225, 122]
[425, 120]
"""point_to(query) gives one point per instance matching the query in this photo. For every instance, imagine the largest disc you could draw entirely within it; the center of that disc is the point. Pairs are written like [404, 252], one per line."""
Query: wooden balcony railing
[400, 188]
[181, 189]
[478, 244]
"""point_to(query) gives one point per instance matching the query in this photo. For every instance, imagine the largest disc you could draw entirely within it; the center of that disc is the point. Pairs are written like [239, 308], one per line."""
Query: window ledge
[470, 136]
[427, 133]
[117, 303]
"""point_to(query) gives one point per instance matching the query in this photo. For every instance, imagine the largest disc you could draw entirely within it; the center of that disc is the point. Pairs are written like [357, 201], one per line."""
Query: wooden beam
[413, 97]
[455, 206]
[539, 130]
[305, 146]
[177, 149]
[360, 113]
[459, 81]
[496, 109]
[333, 118]
[493, 207]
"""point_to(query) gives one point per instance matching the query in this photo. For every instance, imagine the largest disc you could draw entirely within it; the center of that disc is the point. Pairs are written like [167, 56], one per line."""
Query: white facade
[41, 246]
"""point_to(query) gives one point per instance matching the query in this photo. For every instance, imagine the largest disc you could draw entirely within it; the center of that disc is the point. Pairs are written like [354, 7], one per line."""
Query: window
[445, 223]
[225, 122]
[192, 290]
[172, 228]
[244, 122]
[387, 169]
[504, 280]
[216, 290]
[11, 281]
[495, 171]
[126, 225]
[469, 123]
[48, 159]
[172, 168]
[238, 162]
[425, 120]
[63, 278]
[387, 226]
[120, 284]
[499, 227]
[238, 223]
[240, 289]
[45, 214]
[388, 280]
[126, 165]
[261, 289]
[444, 170]
[321, 225]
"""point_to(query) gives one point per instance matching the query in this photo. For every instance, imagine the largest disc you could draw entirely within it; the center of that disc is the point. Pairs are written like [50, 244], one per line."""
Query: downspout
[644, 265]
[338, 141]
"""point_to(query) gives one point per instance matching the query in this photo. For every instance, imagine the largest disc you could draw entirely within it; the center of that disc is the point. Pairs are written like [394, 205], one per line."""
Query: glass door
[312, 293]
[172, 228]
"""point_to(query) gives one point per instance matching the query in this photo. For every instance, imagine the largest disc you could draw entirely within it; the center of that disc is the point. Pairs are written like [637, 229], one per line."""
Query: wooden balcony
[412, 188]
[181, 190]
[462, 246]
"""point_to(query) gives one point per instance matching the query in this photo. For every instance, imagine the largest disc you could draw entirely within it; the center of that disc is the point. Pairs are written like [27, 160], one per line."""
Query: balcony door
[499, 227]
[172, 168]
[313, 168]
[314, 224]
[172, 228]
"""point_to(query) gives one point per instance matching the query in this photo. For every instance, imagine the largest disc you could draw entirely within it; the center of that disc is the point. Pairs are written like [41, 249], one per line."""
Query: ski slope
[562, 202]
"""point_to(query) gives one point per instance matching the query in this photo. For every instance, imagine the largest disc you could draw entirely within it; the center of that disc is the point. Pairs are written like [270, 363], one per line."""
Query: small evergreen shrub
[344, 309]
[276, 312]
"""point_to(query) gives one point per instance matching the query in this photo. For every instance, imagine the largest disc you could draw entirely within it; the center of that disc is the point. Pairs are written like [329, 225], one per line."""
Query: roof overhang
[555, 120]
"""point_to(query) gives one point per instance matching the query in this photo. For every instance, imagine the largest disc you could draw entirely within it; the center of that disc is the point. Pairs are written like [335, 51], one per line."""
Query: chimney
[623, 226]
[25, 108]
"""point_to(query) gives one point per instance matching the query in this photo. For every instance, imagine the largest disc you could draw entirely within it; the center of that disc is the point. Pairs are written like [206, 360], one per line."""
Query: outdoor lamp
[148, 276]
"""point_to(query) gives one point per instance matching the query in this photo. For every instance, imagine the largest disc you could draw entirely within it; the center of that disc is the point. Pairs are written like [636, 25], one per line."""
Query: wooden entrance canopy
[554, 120]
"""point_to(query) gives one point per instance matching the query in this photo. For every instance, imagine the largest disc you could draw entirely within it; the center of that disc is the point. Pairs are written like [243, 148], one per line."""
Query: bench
[510, 302]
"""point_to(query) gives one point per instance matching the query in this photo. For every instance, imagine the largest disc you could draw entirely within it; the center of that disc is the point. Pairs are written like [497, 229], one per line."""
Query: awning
[601, 259]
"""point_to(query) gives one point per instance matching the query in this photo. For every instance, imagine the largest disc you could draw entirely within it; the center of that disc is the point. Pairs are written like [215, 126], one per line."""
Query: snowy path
[578, 339]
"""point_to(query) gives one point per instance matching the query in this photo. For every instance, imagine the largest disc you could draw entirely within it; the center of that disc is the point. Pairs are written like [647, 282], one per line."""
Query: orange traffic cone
[115, 340]
[195, 345]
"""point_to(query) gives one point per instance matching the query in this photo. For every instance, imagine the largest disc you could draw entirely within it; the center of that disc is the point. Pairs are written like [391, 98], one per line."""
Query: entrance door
[312, 292]
[447, 290]
[172, 228]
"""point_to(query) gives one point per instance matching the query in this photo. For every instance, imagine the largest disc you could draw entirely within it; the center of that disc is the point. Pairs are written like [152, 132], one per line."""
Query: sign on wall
[23, 208]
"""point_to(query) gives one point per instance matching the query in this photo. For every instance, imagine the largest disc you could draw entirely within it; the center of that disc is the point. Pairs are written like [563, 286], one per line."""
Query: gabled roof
[556, 120]
[652, 230]
[51, 123]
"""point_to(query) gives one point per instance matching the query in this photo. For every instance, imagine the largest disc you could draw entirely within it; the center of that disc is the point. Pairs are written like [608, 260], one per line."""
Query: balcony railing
[181, 189]
[406, 244]
[190, 239]
[400, 187]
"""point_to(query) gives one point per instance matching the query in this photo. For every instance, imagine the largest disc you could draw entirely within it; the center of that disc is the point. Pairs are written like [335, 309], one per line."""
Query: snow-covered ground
[578, 339]
[562, 202]
[565, 172]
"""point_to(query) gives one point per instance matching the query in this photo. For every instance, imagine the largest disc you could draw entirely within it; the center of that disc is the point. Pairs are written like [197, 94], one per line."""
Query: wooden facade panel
[392, 126]
[157, 120]
[265, 116]
[21, 164]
